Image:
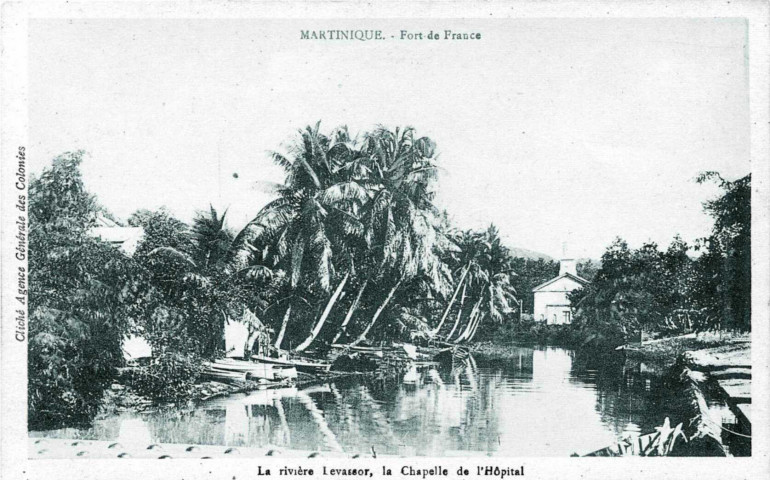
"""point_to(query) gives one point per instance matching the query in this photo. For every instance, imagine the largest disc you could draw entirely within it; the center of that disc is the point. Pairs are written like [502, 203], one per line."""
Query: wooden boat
[257, 369]
[250, 369]
[301, 365]
[225, 376]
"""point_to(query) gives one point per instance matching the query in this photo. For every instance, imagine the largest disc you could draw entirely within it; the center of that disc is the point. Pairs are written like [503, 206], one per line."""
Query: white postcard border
[14, 125]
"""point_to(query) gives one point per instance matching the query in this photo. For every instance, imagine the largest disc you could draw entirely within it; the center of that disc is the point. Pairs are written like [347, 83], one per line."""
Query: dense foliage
[81, 300]
[724, 287]
[350, 250]
[170, 377]
[649, 290]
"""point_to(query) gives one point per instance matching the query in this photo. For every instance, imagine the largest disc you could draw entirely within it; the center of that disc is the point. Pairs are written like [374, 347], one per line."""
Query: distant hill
[529, 254]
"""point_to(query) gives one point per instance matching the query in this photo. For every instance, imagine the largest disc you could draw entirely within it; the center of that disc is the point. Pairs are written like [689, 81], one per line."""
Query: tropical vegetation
[647, 290]
[351, 250]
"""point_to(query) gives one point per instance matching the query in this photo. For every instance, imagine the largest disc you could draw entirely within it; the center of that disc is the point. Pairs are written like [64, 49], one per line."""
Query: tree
[212, 239]
[193, 269]
[349, 214]
[489, 281]
[307, 230]
[679, 277]
[606, 307]
[82, 299]
[402, 226]
[587, 269]
[727, 256]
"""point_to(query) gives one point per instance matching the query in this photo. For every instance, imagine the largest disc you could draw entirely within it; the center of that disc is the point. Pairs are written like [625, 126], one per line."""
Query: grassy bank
[664, 352]
[529, 332]
[574, 336]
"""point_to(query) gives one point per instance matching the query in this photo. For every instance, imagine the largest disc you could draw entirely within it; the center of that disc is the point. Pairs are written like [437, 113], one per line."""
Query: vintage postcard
[425, 240]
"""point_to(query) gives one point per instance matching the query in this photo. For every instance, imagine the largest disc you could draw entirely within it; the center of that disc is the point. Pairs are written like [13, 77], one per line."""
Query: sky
[557, 131]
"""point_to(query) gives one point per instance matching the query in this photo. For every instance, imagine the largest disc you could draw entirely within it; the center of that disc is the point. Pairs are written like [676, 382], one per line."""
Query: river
[539, 402]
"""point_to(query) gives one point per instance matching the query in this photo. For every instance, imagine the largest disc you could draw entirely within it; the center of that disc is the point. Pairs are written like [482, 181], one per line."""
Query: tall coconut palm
[490, 282]
[468, 262]
[305, 230]
[400, 219]
[351, 212]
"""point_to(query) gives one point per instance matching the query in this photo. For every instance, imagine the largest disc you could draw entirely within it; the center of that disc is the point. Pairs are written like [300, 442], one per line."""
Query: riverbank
[434, 409]
[665, 352]
[716, 384]
[123, 396]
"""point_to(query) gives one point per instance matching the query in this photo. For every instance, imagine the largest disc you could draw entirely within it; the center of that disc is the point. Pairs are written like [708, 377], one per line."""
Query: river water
[539, 402]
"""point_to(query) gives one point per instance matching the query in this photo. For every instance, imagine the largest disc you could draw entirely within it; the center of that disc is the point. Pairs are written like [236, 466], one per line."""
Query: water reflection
[540, 402]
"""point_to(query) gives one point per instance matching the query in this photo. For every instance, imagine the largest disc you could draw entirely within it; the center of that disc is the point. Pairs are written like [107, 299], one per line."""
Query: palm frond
[280, 160]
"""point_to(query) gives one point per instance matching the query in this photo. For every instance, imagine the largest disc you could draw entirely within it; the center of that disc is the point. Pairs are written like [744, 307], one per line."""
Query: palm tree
[305, 230]
[401, 221]
[353, 213]
[211, 238]
[191, 267]
[468, 261]
[490, 281]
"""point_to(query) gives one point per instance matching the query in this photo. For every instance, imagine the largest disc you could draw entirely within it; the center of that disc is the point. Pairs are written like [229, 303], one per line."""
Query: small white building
[551, 302]
[125, 238]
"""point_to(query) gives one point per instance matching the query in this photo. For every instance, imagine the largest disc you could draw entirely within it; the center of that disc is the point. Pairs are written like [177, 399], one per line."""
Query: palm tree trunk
[468, 327]
[459, 313]
[283, 328]
[454, 295]
[349, 315]
[319, 325]
[475, 328]
[471, 319]
[377, 313]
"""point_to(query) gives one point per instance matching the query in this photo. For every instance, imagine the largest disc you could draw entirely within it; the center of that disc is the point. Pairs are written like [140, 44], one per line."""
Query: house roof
[117, 235]
[580, 280]
[110, 231]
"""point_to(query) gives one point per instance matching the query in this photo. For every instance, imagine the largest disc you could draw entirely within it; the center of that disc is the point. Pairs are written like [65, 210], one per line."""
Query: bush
[575, 335]
[170, 377]
[68, 370]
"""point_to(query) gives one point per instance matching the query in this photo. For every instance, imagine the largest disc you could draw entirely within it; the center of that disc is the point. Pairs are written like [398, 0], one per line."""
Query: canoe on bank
[301, 365]
[243, 370]
[280, 372]
[256, 371]
[225, 376]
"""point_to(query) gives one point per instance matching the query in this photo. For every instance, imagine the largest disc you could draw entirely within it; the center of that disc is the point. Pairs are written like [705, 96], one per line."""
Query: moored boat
[301, 365]
[250, 369]
[225, 376]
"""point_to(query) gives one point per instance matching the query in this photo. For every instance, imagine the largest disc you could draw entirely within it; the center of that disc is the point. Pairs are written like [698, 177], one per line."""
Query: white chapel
[551, 303]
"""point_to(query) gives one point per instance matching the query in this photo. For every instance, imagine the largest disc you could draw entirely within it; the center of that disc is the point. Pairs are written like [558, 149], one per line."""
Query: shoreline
[121, 398]
[689, 378]
[665, 352]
